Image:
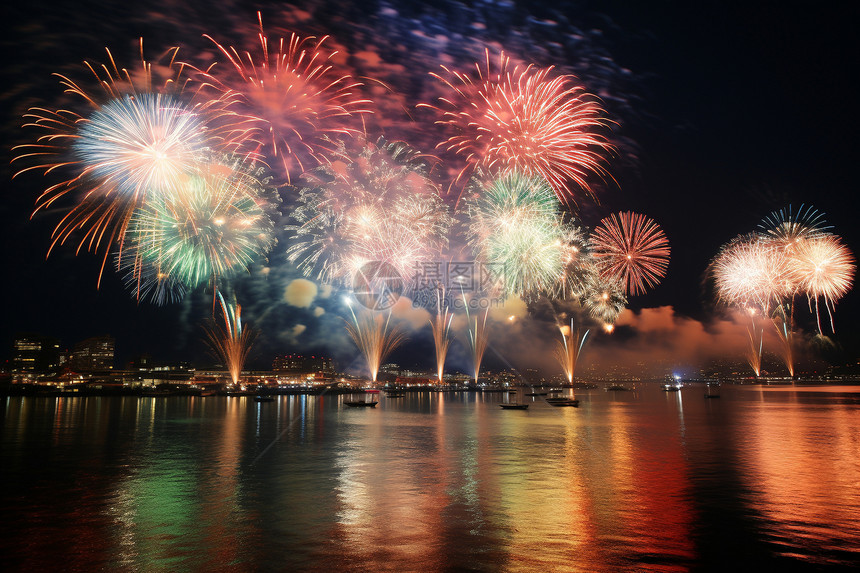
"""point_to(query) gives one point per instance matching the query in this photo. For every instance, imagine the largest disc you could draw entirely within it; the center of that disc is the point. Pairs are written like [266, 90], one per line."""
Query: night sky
[726, 111]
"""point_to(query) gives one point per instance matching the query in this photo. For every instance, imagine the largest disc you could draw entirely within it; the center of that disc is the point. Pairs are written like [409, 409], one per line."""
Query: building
[36, 354]
[93, 354]
[301, 364]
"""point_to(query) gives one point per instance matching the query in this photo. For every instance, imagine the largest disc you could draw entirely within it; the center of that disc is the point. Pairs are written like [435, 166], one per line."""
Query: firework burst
[213, 226]
[231, 341]
[294, 98]
[137, 140]
[822, 267]
[632, 249]
[515, 224]
[374, 205]
[750, 272]
[603, 299]
[526, 119]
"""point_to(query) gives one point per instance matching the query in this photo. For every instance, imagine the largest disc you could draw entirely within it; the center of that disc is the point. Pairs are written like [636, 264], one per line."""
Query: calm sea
[763, 478]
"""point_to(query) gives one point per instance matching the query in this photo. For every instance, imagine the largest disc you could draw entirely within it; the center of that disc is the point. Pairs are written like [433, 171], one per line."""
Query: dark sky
[733, 110]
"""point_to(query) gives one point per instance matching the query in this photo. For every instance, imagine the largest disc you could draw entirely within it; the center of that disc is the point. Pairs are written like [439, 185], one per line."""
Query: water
[765, 477]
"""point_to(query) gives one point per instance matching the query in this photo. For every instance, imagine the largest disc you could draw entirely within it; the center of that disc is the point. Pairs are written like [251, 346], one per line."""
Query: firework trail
[632, 249]
[515, 224]
[523, 118]
[137, 140]
[374, 336]
[823, 268]
[231, 341]
[756, 343]
[567, 351]
[782, 322]
[477, 332]
[441, 327]
[293, 97]
[372, 205]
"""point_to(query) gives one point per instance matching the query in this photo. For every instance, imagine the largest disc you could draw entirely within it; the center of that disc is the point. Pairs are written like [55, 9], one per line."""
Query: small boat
[361, 404]
[574, 403]
[712, 395]
[395, 394]
[264, 398]
[536, 393]
[671, 388]
[513, 406]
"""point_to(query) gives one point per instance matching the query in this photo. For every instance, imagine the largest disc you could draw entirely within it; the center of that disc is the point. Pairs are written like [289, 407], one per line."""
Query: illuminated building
[93, 354]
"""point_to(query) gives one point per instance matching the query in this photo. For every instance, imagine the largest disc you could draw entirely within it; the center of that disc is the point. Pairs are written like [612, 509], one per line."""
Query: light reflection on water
[643, 480]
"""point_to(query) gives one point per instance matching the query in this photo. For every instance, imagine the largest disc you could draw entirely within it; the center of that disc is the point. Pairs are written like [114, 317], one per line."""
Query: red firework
[295, 99]
[522, 119]
[632, 249]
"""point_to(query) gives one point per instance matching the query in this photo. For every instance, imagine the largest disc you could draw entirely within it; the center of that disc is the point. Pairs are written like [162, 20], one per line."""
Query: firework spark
[374, 336]
[632, 249]
[231, 341]
[523, 118]
[293, 96]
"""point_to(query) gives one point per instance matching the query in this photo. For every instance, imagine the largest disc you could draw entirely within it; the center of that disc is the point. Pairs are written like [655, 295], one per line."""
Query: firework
[213, 226]
[374, 205]
[137, 140]
[750, 272]
[786, 227]
[578, 263]
[567, 351]
[374, 336]
[526, 119]
[231, 341]
[604, 299]
[515, 225]
[477, 333]
[756, 342]
[822, 267]
[441, 327]
[632, 249]
[293, 97]
[782, 323]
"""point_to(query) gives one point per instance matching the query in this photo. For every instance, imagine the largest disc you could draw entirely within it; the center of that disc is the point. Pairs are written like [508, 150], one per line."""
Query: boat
[712, 395]
[395, 394]
[671, 388]
[264, 398]
[574, 403]
[513, 406]
[361, 404]
[536, 393]
[617, 388]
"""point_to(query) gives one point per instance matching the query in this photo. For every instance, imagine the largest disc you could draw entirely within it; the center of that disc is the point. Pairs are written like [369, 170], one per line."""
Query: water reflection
[650, 481]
